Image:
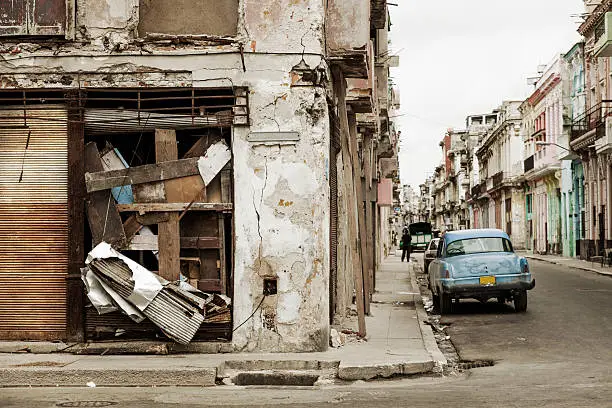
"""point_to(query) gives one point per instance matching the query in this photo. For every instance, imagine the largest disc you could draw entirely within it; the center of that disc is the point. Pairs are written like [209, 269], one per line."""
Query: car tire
[520, 301]
[425, 266]
[446, 303]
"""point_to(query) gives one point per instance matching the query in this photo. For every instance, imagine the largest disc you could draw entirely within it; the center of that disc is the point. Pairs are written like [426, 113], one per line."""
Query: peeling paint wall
[281, 190]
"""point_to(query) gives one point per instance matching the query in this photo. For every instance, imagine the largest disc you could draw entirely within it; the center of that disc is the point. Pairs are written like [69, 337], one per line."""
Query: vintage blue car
[479, 264]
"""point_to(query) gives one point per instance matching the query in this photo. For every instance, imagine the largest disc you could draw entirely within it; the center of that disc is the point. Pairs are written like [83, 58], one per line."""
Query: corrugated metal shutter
[33, 223]
[334, 148]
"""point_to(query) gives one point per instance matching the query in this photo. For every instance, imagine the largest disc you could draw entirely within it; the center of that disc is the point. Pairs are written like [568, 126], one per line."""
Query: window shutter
[48, 17]
[13, 17]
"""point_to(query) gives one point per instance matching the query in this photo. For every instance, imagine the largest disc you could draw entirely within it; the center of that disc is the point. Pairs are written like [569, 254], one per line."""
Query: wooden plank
[216, 158]
[201, 145]
[362, 228]
[152, 218]
[149, 192]
[151, 243]
[171, 207]
[163, 170]
[131, 226]
[169, 235]
[75, 295]
[226, 186]
[104, 220]
[185, 189]
[210, 285]
[339, 84]
[222, 261]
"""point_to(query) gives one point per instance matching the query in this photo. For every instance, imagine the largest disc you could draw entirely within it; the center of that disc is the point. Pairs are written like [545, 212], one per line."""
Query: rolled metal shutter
[33, 222]
[334, 149]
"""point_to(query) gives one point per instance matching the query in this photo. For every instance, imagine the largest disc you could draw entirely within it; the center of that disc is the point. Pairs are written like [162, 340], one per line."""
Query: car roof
[474, 233]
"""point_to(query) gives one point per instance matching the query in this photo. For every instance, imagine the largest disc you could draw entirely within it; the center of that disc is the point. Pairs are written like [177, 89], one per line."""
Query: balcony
[529, 163]
[476, 190]
[498, 179]
[348, 36]
[603, 37]
[592, 120]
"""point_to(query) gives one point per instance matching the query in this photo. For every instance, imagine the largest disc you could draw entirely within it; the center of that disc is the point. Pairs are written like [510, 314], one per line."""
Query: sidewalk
[398, 343]
[570, 262]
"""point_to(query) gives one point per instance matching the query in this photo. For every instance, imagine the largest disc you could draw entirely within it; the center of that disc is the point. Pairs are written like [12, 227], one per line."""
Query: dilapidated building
[106, 108]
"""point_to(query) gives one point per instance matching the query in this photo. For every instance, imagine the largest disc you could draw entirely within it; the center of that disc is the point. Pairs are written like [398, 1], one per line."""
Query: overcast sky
[462, 57]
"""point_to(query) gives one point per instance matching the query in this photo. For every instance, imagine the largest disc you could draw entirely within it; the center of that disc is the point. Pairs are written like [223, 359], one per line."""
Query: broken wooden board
[131, 226]
[102, 214]
[215, 159]
[165, 170]
[113, 160]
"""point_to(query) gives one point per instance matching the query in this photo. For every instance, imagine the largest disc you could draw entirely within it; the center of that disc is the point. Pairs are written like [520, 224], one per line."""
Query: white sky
[462, 57]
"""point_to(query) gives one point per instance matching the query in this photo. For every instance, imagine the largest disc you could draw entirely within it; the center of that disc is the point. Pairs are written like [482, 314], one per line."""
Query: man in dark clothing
[406, 241]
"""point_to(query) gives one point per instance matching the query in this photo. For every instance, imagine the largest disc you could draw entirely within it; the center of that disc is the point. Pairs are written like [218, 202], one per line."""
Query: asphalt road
[558, 354]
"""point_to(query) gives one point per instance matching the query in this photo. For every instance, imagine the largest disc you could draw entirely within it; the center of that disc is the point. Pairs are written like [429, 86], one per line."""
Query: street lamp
[572, 154]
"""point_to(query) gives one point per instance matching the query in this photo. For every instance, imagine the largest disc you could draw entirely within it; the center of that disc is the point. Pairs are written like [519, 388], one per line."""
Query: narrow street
[558, 354]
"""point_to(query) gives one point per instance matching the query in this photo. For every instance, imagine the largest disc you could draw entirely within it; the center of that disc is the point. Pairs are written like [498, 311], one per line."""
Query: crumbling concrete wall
[281, 190]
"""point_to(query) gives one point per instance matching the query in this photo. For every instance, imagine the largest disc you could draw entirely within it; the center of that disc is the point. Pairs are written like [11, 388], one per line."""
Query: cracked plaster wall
[281, 191]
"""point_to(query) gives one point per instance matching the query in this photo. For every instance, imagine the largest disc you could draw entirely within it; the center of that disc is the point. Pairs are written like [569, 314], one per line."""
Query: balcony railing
[594, 118]
[498, 178]
[529, 163]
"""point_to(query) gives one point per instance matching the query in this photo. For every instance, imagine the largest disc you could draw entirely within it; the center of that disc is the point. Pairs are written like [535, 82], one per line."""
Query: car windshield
[433, 245]
[478, 245]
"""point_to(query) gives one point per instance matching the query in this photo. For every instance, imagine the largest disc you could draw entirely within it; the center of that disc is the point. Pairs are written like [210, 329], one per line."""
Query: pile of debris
[115, 282]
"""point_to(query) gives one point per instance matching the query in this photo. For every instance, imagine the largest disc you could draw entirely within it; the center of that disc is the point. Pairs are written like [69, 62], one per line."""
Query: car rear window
[478, 245]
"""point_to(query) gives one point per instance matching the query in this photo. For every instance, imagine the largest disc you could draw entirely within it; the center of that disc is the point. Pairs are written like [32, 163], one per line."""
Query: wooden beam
[210, 285]
[367, 144]
[143, 208]
[222, 261]
[166, 152]
[357, 171]
[151, 243]
[104, 220]
[152, 218]
[339, 83]
[164, 170]
[75, 295]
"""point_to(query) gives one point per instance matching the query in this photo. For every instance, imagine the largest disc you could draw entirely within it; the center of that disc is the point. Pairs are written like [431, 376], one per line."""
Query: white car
[430, 253]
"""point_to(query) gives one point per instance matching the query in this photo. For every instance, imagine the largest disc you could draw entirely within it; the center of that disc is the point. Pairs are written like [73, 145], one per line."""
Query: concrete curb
[429, 340]
[353, 372]
[582, 268]
[52, 377]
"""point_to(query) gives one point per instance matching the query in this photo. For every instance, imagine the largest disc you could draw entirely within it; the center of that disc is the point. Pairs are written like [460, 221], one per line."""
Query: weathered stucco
[281, 197]
[348, 25]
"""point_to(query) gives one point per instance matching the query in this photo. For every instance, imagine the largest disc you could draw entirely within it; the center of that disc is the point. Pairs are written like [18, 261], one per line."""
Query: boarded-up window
[32, 17]
[188, 17]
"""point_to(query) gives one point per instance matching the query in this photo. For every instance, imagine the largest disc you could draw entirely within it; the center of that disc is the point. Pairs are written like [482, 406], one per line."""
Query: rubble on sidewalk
[115, 282]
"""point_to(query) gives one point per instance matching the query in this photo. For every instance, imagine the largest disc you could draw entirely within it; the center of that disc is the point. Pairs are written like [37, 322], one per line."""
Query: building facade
[105, 75]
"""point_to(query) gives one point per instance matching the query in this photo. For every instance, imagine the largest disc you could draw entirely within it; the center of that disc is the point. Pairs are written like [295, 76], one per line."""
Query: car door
[434, 267]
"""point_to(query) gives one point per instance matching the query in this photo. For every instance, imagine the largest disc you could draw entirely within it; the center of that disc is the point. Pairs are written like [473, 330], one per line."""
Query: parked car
[420, 234]
[430, 253]
[479, 264]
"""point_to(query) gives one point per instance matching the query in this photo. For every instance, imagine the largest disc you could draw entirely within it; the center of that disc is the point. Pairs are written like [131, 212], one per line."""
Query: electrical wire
[252, 314]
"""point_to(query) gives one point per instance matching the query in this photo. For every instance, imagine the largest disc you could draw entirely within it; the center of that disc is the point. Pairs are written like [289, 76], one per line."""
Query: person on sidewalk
[406, 242]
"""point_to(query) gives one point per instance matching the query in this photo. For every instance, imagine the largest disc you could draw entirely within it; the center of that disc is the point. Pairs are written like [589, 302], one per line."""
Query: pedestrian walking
[406, 245]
